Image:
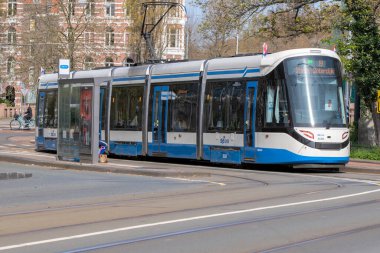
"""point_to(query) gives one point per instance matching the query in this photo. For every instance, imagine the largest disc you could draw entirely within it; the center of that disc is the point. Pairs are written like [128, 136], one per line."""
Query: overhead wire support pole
[147, 33]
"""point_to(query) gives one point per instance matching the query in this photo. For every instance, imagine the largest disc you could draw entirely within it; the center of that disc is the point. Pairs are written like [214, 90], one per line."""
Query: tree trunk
[376, 122]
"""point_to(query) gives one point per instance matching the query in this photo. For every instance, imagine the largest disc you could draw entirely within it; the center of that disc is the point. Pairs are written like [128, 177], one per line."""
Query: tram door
[159, 117]
[250, 115]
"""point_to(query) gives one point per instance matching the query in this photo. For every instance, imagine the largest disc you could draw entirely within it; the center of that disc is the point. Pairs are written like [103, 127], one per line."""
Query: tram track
[239, 223]
[230, 189]
[120, 204]
[322, 238]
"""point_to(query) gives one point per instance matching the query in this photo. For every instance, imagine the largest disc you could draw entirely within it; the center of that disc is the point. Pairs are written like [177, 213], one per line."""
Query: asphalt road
[219, 210]
[58, 210]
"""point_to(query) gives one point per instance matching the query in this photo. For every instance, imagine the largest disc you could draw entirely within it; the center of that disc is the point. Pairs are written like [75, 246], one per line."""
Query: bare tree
[155, 19]
[274, 20]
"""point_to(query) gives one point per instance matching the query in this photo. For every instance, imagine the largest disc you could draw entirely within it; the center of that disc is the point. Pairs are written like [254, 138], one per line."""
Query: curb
[104, 168]
[365, 161]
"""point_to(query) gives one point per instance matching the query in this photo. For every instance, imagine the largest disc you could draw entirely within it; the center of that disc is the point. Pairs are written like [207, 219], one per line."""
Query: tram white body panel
[283, 141]
[181, 138]
[223, 139]
[50, 133]
[324, 135]
[127, 136]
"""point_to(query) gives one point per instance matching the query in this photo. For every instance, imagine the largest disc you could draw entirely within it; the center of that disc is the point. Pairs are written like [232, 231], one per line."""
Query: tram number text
[224, 140]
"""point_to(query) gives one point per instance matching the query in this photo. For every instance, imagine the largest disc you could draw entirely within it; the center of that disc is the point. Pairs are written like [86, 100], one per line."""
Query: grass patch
[372, 153]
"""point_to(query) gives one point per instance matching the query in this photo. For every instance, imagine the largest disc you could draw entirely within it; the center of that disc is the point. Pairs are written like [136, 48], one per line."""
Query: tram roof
[92, 73]
[178, 71]
[131, 75]
[234, 67]
[270, 61]
[48, 81]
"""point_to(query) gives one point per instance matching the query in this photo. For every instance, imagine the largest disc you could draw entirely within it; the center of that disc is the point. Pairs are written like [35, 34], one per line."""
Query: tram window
[224, 106]
[126, 107]
[182, 107]
[276, 106]
[51, 110]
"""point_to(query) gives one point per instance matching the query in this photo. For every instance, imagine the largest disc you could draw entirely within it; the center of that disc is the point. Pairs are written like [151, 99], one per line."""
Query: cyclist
[28, 115]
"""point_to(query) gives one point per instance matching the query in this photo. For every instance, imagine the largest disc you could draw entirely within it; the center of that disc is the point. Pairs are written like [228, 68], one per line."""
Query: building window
[109, 62]
[128, 62]
[175, 12]
[11, 35]
[127, 12]
[110, 37]
[88, 63]
[126, 38]
[173, 37]
[89, 36]
[31, 75]
[32, 25]
[31, 48]
[90, 8]
[12, 7]
[110, 8]
[11, 66]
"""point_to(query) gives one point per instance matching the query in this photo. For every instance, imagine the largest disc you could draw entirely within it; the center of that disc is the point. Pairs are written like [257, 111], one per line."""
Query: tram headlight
[307, 134]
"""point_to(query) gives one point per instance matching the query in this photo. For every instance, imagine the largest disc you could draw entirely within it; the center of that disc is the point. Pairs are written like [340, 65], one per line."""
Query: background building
[35, 34]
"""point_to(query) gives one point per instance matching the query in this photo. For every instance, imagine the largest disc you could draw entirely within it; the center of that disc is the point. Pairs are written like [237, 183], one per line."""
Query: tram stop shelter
[78, 119]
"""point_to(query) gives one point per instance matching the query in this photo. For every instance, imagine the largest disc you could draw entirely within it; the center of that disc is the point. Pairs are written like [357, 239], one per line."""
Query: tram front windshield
[315, 92]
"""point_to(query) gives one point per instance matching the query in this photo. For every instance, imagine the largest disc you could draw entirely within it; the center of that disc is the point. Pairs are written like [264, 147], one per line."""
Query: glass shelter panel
[75, 121]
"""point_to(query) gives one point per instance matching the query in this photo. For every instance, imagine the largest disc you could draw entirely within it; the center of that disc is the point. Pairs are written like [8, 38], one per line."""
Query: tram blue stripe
[177, 75]
[48, 84]
[281, 156]
[232, 72]
[134, 78]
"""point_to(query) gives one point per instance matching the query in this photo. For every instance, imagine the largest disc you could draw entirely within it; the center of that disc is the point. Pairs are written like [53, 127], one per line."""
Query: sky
[193, 12]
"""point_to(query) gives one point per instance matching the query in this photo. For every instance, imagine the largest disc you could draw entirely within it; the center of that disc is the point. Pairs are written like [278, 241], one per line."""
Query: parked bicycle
[18, 122]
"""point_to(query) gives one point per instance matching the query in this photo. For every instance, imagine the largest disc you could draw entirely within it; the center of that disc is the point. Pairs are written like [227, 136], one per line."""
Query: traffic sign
[378, 101]
[64, 68]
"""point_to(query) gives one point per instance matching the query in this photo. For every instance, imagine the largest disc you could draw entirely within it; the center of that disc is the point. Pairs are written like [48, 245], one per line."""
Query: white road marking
[103, 232]
[10, 145]
[195, 180]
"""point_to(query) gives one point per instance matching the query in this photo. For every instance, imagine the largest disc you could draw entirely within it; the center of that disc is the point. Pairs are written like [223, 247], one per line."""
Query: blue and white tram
[284, 108]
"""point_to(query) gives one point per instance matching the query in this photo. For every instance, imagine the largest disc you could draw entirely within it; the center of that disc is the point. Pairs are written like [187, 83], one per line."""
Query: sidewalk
[363, 166]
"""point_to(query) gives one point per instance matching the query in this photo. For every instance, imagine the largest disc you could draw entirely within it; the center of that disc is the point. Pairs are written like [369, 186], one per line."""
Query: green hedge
[368, 153]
